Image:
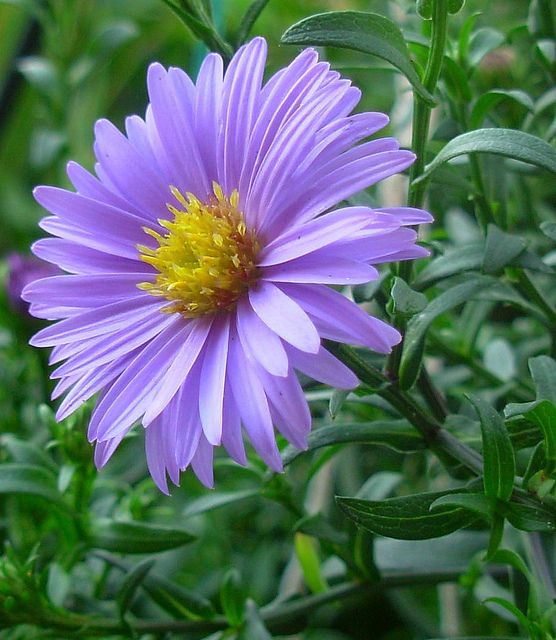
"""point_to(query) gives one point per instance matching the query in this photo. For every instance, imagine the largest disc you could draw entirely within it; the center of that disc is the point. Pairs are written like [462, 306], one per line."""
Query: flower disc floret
[206, 260]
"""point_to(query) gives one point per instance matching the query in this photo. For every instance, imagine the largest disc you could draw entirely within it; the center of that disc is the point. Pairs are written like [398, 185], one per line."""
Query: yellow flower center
[206, 260]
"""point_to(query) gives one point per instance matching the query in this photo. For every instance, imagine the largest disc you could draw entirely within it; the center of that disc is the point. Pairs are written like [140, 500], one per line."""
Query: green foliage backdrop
[425, 506]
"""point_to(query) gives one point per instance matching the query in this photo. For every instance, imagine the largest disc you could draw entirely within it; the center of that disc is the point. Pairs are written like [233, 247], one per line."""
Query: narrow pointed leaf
[136, 537]
[394, 434]
[407, 518]
[490, 99]
[131, 583]
[509, 143]
[367, 32]
[498, 453]
[28, 479]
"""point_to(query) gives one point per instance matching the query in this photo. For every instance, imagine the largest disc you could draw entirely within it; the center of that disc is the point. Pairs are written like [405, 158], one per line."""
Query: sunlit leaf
[367, 32]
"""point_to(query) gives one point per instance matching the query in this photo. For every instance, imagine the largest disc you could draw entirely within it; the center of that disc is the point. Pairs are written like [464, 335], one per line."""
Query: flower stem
[420, 134]
[273, 616]
[440, 441]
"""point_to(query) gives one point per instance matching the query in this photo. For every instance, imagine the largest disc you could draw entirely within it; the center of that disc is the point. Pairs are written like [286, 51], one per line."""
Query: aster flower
[199, 260]
[22, 270]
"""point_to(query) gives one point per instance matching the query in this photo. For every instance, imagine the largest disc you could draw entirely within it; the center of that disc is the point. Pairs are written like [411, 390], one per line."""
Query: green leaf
[408, 517]
[549, 229]
[309, 561]
[455, 6]
[249, 18]
[544, 416]
[499, 357]
[511, 558]
[177, 601]
[456, 80]
[131, 583]
[530, 518]
[336, 402]
[395, 434]
[478, 503]
[27, 452]
[490, 99]
[418, 325]
[543, 372]
[367, 32]
[424, 9]
[468, 257]
[504, 142]
[28, 479]
[406, 301]
[509, 606]
[216, 500]
[500, 249]
[542, 411]
[498, 453]
[42, 74]
[232, 598]
[483, 41]
[136, 537]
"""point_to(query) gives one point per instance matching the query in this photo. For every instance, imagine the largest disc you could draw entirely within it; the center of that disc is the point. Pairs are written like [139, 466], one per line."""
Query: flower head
[198, 259]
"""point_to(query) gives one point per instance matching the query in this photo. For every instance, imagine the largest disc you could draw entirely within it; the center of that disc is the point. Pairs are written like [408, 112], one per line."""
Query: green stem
[274, 616]
[432, 395]
[422, 111]
[419, 138]
[438, 439]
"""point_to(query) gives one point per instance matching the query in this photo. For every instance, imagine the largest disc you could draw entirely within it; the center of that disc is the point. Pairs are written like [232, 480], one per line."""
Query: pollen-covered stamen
[206, 260]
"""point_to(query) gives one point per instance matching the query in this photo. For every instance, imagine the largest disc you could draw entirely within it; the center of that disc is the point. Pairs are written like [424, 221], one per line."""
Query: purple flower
[201, 254]
[21, 271]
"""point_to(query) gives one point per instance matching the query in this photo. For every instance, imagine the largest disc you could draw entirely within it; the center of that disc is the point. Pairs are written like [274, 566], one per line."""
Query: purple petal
[321, 268]
[108, 348]
[289, 408]
[303, 239]
[259, 341]
[112, 227]
[137, 387]
[240, 104]
[213, 376]
[251, 401]
[408, 215]
[87, 385]
[202, 462]
[340, 183]
[104, 451]
[232, 438]
[207, 110]
[87, 185]
[97, 322]
[156, 455]
[169, 93]
[184, 359]
[323, 366]
[85, 291]
[340, 319]
[81, 260]
[129, 172]
[284, 316]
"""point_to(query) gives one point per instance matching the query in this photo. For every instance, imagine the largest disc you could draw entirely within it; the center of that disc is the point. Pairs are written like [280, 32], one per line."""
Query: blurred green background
[65, 63]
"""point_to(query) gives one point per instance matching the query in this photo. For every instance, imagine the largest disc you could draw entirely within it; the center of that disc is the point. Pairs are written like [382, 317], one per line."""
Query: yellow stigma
[206, 260]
